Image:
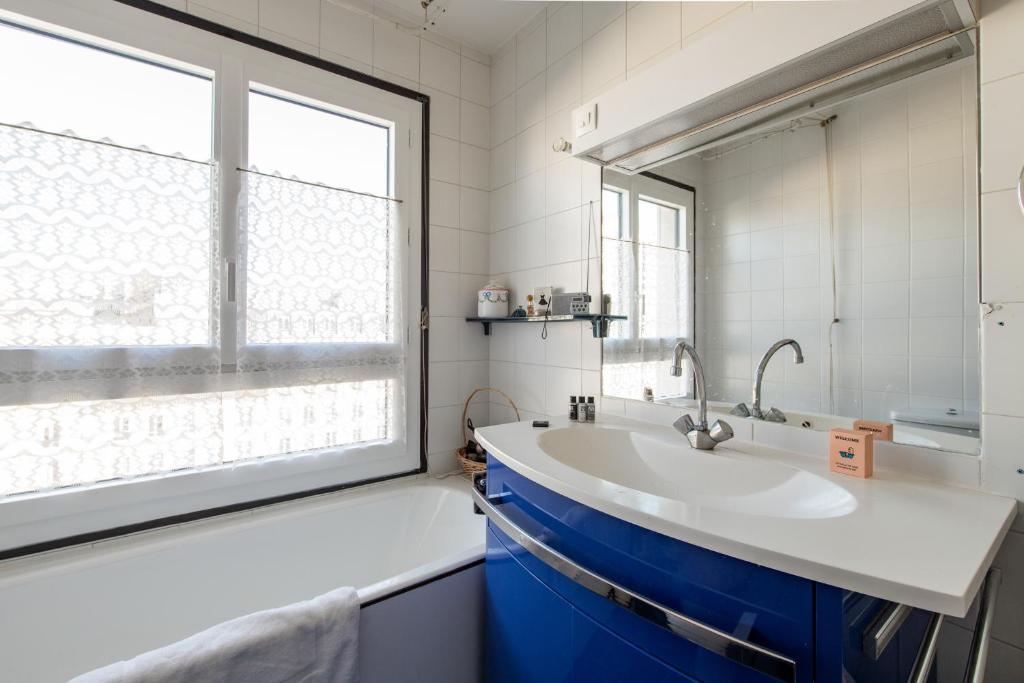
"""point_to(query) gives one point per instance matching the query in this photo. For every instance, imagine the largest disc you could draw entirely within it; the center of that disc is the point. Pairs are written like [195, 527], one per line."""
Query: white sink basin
[719, 479]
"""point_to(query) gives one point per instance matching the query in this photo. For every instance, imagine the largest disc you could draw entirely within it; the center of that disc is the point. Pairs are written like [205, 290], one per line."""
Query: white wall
[457, 78]
[539, 220]
[906, 243]
[540, 213]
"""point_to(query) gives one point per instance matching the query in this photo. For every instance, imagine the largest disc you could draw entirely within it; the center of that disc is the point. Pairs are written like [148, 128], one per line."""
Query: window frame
[677, 209]
[36, 522]
[622, 199]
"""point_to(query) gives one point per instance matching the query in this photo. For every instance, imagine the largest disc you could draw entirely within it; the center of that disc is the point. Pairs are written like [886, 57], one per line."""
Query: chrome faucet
[697, 433]
[773, 414]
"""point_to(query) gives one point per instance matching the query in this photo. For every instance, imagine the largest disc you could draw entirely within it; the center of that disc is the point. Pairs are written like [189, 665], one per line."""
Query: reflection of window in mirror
[613, 217]
[647, 275]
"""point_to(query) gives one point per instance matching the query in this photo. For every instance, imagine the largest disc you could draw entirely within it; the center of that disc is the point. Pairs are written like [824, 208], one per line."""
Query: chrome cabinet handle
[883, 628]
[719, 642]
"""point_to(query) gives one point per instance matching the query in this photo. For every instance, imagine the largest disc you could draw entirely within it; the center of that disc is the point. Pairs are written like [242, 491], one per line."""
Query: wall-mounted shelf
[598, 322]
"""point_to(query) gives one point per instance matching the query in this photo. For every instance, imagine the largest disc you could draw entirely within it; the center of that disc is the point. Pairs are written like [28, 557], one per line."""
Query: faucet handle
[740, 410]
[775, 415]
[684, 424]
[720, 431]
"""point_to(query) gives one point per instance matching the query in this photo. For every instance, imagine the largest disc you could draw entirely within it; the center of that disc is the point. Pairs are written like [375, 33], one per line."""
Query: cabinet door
[535, 636]
[529, 627]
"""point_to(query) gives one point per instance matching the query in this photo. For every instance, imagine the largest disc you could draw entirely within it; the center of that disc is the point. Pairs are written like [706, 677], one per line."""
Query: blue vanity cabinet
[544, 626]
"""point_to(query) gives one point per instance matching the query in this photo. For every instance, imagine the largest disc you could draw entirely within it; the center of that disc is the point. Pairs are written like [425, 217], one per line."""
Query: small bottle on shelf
[574, 409]
[591, 410]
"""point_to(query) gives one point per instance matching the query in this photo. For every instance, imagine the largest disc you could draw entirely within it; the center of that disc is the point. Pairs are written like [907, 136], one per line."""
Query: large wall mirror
[852, 231]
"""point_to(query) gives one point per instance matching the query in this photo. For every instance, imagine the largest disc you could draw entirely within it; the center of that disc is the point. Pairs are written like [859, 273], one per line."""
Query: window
[660, 223]
[647, 274]
[213, 267]
[293, 136]
[304, 284]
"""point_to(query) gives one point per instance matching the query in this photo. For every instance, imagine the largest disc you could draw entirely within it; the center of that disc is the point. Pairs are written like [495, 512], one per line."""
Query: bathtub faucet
[697, 433]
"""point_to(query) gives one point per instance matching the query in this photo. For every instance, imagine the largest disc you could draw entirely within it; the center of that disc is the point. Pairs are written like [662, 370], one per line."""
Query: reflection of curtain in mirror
[652, 285]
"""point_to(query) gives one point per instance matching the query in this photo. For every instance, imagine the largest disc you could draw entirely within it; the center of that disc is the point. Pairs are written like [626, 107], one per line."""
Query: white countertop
[907, 540]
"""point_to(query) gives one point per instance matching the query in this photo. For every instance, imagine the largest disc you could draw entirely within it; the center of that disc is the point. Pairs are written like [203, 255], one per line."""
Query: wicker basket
[471, 467]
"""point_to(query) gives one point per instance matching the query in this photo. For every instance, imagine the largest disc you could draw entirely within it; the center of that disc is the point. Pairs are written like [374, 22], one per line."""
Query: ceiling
[483, 25]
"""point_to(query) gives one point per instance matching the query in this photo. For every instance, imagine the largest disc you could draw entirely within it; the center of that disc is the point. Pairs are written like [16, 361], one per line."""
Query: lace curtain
[110, 346]
[303, 283]
[102, 246]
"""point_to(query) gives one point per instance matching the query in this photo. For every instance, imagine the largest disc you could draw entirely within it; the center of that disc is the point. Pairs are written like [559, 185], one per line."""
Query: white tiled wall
[540, 213]
[458, 82]
[1002, 110]
[905, 159]
[540, 199]
[620, 39]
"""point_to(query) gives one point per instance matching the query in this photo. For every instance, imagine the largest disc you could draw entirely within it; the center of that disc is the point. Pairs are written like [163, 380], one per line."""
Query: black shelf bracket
[599, 323]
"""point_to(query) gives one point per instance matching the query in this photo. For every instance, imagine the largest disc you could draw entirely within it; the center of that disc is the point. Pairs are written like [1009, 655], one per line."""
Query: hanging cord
[590, 230]
[830, 180]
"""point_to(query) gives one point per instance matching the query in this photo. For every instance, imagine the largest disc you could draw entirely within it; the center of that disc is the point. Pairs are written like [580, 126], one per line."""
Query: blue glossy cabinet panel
[528, 625]
[536, 636]
[542, 626]
[600, 655]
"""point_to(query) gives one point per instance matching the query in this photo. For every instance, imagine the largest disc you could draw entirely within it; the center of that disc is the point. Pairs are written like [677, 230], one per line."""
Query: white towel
[309, 642]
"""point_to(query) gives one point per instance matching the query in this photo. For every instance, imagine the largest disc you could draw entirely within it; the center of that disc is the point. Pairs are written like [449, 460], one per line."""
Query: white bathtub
[412, 548]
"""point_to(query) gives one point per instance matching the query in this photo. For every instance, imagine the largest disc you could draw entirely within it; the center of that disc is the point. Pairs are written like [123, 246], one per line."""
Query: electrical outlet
[585, 119]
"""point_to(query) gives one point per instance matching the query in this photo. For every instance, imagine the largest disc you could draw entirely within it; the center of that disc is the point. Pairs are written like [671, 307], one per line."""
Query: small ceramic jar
[492, 301]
